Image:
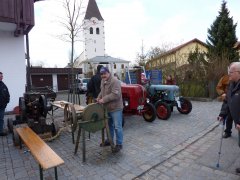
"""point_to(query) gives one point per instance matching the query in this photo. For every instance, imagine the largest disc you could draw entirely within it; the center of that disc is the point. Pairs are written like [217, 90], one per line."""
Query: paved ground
[184, 147]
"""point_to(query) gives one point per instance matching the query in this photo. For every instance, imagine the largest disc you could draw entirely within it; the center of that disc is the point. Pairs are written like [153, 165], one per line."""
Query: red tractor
[135, 102]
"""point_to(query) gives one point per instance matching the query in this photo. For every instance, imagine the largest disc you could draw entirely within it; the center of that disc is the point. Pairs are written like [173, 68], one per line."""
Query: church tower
[93, 33]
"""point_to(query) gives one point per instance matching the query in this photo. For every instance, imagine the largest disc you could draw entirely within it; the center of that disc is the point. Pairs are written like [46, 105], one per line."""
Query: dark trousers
[1, 119]
[229, 123]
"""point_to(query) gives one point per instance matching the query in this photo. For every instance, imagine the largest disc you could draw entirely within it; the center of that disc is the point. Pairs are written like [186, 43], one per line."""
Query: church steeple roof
[93, 11]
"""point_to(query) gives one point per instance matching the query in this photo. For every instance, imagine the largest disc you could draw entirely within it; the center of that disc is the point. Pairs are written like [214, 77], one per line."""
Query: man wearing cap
[111, 97]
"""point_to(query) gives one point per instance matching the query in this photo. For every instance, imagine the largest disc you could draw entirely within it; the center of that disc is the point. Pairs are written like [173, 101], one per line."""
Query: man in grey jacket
[111, 97]
[231, 103]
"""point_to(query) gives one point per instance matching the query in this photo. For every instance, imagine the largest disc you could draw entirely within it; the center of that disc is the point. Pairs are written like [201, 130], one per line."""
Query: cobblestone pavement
[157, 150]
[198, 161]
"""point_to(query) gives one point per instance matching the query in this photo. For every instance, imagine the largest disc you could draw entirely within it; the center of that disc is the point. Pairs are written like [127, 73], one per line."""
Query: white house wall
[12, 65]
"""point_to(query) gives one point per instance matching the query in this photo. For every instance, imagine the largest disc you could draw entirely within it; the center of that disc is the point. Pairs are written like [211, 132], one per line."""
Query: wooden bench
[43, 154]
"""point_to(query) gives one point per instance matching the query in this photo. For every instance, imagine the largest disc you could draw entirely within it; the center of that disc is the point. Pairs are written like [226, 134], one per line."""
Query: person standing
[4, 100]
[170, 80]
[221, 89]
[231, 103]
[111, 97]
[93, 86]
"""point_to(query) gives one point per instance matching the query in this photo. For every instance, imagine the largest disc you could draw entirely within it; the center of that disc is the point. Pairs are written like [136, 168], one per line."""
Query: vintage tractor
[135, 102]
[165, 97]
[33, 109]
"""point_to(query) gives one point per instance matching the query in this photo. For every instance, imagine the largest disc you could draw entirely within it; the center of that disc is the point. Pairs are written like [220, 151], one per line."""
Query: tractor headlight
[126, 103]
[148, 100]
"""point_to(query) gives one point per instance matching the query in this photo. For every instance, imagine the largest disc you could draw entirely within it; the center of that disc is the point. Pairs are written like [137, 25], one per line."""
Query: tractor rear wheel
[149, 112]
[163, 110]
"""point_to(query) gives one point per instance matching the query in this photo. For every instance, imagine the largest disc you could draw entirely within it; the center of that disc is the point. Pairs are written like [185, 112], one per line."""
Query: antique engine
[34, 107]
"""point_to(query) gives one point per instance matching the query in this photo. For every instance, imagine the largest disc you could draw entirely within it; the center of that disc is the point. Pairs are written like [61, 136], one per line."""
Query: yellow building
[176, 57]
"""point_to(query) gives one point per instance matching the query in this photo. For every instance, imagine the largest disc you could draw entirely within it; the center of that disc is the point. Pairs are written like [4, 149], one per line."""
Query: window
[97, 31]
[115, 66]
[91, 30]
[122, 66]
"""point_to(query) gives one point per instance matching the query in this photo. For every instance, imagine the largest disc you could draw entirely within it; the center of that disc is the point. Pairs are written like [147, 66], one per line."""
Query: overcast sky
[128, 23]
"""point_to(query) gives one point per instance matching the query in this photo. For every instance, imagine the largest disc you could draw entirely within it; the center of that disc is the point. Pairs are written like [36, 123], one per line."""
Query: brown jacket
[111, 94]
[222, 86]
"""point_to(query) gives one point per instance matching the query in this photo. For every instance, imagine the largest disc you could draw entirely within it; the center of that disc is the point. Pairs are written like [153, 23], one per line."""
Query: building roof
[93, 11]
[105, 59]
[41, 70]
[183, 45]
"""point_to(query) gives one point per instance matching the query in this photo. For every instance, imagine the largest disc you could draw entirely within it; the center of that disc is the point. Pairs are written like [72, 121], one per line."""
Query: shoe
[117, 148]
[106, 143]
[3, 133]
[238, 170]
[226, 135]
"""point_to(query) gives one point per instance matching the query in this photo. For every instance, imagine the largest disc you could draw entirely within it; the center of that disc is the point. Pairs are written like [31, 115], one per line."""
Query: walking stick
[220, 146]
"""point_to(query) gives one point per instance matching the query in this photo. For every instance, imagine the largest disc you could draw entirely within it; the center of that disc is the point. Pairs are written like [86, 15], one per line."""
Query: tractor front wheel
[186, 106]
[149, 112]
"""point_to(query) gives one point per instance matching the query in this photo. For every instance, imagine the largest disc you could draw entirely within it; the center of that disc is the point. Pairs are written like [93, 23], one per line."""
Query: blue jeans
[115, 124]
[2, 111]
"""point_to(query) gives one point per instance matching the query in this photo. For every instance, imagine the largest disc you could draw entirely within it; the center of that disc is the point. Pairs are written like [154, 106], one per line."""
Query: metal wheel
[149, 112]
[10, 125]
[70, 117]
[22, 109]
[93, 118]
[186, 106]
[163, 110]
[43, 106]
[15, 137]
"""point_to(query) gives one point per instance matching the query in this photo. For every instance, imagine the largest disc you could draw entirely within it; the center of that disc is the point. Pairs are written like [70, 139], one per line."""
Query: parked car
[83, 87]
[80, 85]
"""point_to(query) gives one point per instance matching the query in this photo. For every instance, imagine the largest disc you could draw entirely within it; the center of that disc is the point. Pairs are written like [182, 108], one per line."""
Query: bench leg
[55, 170]
[78, 139]
[20, 143]
[41, 172]
[83, 146]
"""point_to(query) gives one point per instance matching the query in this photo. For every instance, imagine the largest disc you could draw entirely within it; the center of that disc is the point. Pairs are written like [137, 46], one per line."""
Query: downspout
[28, 65]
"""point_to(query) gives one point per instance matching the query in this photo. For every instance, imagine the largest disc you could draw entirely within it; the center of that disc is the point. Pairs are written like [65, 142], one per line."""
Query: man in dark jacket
[231, 103]
[4, 100]
[93, 86]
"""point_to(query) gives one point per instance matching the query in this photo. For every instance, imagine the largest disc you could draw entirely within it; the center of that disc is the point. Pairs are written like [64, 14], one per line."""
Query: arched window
[91, 30]
[97, 31]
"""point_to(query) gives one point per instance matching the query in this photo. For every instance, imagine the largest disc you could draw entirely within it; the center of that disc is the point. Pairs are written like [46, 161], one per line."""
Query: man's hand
[100, 101]
[220, 118]
[223, 96]
[238, 127]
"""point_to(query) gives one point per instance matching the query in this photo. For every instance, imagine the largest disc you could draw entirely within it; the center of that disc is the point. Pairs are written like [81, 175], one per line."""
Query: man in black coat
[93, 86]
[231, 103]
[4, 100]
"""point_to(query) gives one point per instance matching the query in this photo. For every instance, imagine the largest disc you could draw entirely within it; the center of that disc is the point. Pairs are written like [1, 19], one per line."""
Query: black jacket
[4, 95]
[93, 87]
[232, 102]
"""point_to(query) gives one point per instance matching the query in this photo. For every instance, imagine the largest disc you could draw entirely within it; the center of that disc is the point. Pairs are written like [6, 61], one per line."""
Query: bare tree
[72, 33]
[71, 24]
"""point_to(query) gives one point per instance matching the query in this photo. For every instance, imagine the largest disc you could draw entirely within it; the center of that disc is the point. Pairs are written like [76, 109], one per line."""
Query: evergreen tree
[222, 38]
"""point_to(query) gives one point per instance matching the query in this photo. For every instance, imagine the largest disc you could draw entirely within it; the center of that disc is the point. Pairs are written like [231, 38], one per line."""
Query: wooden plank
[61, 104]
[45, 156]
